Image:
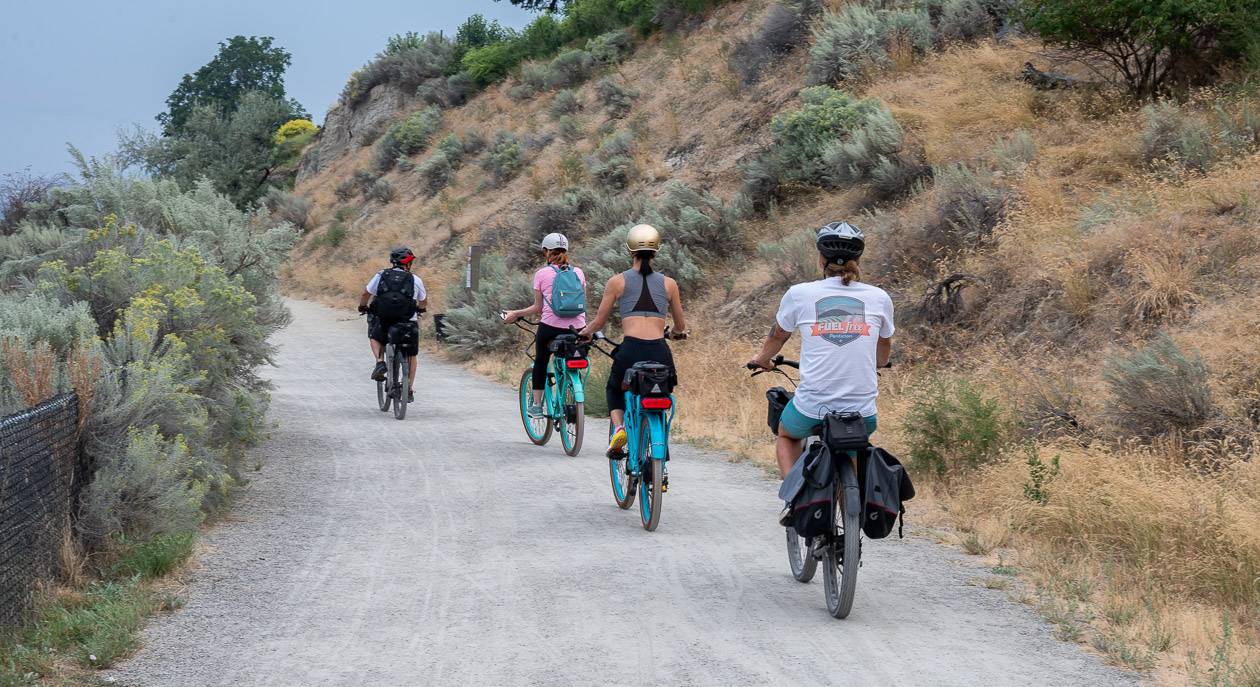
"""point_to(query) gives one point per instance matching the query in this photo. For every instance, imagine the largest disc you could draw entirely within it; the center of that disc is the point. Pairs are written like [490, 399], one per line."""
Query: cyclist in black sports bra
[644, 298]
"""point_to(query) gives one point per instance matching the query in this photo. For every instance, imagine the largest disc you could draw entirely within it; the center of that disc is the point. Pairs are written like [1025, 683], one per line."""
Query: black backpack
[888, 487]
[395, 296]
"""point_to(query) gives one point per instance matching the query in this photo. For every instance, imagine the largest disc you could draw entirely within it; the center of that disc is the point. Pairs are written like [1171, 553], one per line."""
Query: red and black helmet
[401, 256]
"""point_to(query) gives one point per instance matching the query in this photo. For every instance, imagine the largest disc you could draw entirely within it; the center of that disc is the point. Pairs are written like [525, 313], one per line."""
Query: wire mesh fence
[38, 466]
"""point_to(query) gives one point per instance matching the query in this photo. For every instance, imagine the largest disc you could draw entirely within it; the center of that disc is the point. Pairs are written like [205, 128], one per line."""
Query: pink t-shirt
[543, 279]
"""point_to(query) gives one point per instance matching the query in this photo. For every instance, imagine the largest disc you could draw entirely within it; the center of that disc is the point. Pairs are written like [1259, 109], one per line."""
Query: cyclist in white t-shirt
[846, 330]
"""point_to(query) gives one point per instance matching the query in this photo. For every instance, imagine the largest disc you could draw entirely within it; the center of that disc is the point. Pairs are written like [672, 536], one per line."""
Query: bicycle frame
[658, 423]
[560, 376]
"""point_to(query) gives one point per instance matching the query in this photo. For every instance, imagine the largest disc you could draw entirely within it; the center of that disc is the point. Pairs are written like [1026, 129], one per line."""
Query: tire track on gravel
[447, 550]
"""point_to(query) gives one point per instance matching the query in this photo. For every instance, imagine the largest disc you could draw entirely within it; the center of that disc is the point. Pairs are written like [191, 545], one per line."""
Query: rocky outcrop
[346, 128]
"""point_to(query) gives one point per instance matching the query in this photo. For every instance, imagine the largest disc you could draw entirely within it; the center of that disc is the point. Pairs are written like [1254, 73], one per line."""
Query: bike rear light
[576, 364]
[656, 403]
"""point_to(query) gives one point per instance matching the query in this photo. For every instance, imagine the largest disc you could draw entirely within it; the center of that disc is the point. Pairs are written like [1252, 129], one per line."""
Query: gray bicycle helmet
[401, 256]
[840, 241]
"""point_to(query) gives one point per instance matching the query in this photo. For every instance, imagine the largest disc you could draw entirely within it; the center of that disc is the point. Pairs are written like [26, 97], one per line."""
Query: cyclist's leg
[377, 340]
[615, 396]
[413, 352]
[542, 358]
[794, 428]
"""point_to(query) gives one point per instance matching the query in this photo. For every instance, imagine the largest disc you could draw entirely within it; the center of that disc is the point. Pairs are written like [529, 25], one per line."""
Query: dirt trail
[447, 550]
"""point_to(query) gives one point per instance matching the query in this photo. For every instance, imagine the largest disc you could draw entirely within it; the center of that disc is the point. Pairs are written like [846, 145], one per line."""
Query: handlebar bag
[778, 398]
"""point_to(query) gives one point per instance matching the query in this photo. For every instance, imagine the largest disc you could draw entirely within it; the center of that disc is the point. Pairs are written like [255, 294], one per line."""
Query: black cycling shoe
[785, 517]
[616, 454]
[378, 373]
[411, 396]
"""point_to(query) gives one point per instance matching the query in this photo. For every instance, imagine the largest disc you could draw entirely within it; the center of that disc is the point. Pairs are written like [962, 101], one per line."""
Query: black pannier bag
[810, 492]
[887, 487]
[845, 432]
[779, 398]
[649, 379]
[405, 337]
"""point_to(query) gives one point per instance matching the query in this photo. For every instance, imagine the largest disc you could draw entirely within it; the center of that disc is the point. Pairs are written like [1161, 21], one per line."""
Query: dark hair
[645, 261]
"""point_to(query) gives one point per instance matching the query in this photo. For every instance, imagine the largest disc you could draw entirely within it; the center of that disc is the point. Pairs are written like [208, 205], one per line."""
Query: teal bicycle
[564, 397]
[642, 471]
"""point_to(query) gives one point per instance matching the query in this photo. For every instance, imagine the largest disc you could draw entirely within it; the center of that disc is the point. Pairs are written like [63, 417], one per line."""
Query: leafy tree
[233, 150]
[1154, 47]
[477, 31]
[538, 5]
[243, 65]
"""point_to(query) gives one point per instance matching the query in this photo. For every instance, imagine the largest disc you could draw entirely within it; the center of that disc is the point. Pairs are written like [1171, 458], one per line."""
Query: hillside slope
[1075, 277]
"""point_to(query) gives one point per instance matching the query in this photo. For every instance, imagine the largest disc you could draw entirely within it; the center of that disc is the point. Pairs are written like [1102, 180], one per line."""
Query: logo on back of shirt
[840, 320]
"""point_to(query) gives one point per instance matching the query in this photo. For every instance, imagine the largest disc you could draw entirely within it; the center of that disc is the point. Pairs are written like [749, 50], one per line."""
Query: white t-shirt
[839, 327]
[421, 294]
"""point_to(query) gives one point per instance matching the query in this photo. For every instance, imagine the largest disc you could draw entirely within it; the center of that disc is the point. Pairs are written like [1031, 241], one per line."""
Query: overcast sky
[79, 70]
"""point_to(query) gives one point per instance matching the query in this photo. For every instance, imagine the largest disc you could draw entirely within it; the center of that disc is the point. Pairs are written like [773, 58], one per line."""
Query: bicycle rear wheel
[624, 485]
[572, 419]
[538, 429]
[843, 554]
[402, 371]
[382, 395]
[802, 560]
[653, 469]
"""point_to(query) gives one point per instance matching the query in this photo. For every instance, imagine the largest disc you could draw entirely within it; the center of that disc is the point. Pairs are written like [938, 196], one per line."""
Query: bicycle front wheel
[382, 395]
[402, 371]
[843, 553]
[572, 420]
[800, 557]
[538, 429]
[624, 486]
[653, 469]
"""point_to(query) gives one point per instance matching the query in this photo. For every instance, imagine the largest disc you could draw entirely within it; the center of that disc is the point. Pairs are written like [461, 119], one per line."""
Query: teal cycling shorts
[800, 426]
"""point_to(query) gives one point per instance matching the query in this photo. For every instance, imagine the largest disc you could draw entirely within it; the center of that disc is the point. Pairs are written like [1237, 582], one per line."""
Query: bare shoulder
[616, 283]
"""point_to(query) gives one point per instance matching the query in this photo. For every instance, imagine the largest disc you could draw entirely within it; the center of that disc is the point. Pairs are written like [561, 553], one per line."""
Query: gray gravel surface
[448, 550]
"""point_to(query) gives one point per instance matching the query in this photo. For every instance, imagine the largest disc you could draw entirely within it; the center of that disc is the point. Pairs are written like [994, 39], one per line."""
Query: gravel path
[447, 550]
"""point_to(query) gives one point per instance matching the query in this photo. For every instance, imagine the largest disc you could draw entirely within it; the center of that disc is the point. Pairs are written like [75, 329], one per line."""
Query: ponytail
[847, 271]
[558, 257]
[645, 261]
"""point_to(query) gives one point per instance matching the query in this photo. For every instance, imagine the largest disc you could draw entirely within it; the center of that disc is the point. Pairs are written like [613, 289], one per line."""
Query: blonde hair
[848, 271]
[557, 256]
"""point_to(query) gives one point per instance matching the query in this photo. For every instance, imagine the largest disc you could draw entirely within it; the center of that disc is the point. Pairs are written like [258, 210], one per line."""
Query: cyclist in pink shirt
[556, 252]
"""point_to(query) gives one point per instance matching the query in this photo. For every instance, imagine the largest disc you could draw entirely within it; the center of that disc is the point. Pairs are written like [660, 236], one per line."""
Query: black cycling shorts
[632, 351]
[406, 334]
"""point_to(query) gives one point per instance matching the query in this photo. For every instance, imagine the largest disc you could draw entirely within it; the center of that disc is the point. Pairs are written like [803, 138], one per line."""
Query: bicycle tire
[382, 398]
[571, 427]
[650, 483]
[402, 370]
[843, 554]
[800, 558]
[538, 429]
[624, 486]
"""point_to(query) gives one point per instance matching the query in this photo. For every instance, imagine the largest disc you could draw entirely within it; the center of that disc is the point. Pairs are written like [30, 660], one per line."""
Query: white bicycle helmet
[840, 241]
[554, 241]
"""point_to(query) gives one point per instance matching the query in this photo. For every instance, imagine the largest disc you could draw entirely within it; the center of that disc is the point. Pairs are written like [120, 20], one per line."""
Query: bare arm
[364, 300]
[675, 307]
[883, 349]
[612, 291]
[535, 309]
[774, 343]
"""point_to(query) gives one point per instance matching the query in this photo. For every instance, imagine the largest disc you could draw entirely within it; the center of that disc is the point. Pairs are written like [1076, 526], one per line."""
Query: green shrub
[490, 63]
[436, 172]
[856, 42]
[699, 221]
[1158, 389]
[970, 204]
[566, 213]
[566, 102]
[473, 324]
[289, 207]
[381, 190]
[98, 629]
[345, 190]
[569, 129]
[1169, 136]
[784, 28]
[570, 68]
[610, 48]
[407, 62]
[408, 137]
[617, 100]
[152, 558]
[874, 152]
[335, 235]
[969, 20]
[792, 259]
[1012, 153]
[952, 427]
[613, 165]
[504, 158]
[1238, 132]
[453, 148]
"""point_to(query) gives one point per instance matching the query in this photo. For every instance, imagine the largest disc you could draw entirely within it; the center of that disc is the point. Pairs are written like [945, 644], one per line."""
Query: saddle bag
[649, 379]
[845, 432]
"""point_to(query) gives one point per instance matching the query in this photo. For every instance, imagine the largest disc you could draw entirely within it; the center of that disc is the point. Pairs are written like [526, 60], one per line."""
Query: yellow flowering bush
[293, 129]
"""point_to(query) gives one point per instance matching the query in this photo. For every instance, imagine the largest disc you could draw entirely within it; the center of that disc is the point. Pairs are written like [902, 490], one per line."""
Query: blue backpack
[568, 296]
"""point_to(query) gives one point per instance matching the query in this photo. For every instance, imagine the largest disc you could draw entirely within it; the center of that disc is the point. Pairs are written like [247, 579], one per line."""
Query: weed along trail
[448, 550]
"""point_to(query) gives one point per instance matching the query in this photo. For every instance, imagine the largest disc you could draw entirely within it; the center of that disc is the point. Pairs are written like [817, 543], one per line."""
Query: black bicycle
[840, 549]
[392, 391]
